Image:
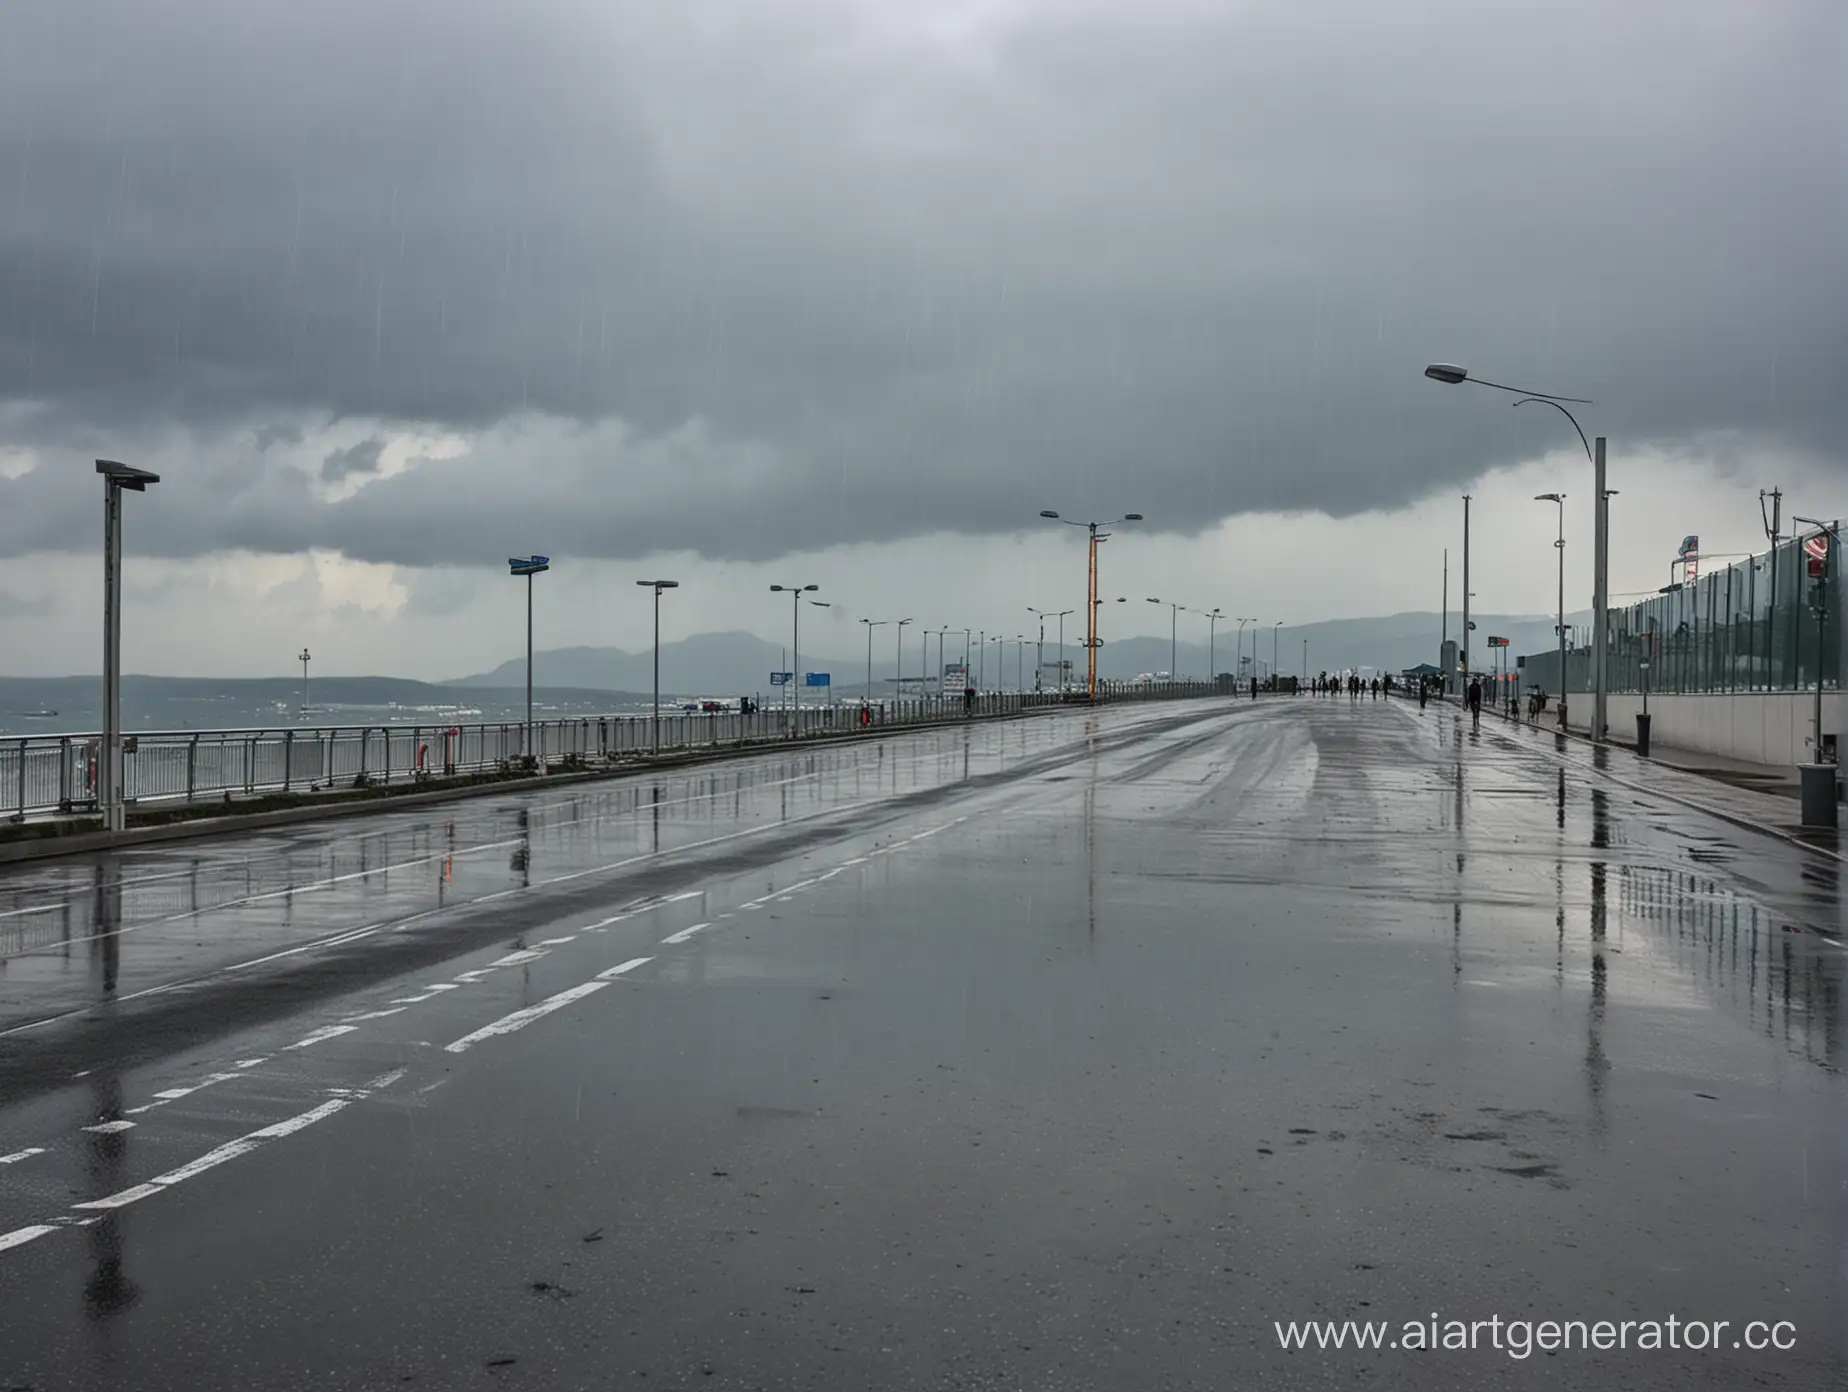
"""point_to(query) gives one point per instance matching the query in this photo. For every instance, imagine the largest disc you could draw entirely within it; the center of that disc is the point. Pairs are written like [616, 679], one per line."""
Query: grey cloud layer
[746, 278]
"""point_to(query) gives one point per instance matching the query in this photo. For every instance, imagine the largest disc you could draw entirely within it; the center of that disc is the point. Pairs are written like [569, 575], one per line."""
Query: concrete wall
[1757, 727]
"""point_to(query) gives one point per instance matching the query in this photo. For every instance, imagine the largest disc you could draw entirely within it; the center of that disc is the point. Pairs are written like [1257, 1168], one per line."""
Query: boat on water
[37, 714]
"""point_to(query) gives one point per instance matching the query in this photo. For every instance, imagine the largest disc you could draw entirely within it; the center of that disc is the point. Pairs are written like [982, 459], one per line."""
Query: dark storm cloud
[748, 278]
[362, 458]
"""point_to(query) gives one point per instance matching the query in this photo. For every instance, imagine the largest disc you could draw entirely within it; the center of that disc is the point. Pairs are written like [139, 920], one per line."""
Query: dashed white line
[373, 1015]
[557, 942]
[316, 1036]
[624, 968]
[514, 959]
[520, 1019]
[19, 1237]
[108, 1128]
[19, 1155]
[230, 1150]
[122, 1199]
[684, 933]
[252, 1063]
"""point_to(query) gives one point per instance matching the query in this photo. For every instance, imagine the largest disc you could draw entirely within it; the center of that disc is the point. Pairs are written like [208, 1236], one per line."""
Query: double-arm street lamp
[899, 685]
[871, 624]
[1274, 629]
[1453, 375]
[795, 593]
[1092, 602]
[117, 479]
[1212, 616]
[657, 586]
[1174, 641]
[1239, 657]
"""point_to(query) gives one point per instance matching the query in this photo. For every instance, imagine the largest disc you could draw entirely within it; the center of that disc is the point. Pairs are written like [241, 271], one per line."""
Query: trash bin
[1818, 794]
[1642, 733]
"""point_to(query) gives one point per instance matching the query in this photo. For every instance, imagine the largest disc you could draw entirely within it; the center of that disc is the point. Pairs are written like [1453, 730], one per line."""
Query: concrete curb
[82, 843]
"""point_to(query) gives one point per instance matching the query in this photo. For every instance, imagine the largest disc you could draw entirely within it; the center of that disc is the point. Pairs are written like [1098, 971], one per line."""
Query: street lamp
[657, 586]
[795, 593]
[1213, 616]
[529, 566]
[1174, 644]
[899, 693]
[1560, 544]
[1239, 657]
[1453, 375]
[117, 478]
[871, 624]
[303, 659]
[1274, 628]
[1091, 641]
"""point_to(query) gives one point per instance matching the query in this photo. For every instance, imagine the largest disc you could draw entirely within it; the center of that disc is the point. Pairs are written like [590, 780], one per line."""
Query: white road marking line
[556, 942]
[857, 860]
[441, 986]
[19, 1155]
[514, 959]
[520, 1019]
[252, 1063]
[122, 1199]
[316, 1036]
[230, 1150]
[19, 1237]
[373, 1015]
[414, 1000]
[473, 976]
[305, 1119]
[627, 966]
[685, 933]
[108, 1128]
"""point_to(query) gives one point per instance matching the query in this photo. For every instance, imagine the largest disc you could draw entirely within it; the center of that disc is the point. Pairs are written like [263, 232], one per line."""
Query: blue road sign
[529, 565]
[815, 679]
[781, 678]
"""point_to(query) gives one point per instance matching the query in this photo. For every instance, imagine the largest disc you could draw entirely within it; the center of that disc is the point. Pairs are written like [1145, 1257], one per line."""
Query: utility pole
[117, 478]
[304, 662]
[529, 566]
[1600, 595]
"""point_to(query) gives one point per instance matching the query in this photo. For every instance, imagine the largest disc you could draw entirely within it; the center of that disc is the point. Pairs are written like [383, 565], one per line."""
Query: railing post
[64, 773]
[288, 757]
[192, 766]
[20, 811]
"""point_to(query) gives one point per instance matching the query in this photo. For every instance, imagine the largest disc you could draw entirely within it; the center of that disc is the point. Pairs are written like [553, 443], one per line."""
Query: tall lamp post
[657, 586]
[1091, 641]
[529, 566]
[871, 624]
[117, 479]
[1039, 652]
[795, 593]
[1818, 778]
[1174, 640]
[303, 659]
[1560, 545]
[1239, 656]
[1274, 628]
[899, 688]
[1453, 375]
[1213, 616]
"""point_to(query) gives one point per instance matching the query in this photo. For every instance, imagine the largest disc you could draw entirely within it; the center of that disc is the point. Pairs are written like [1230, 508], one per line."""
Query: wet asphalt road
[1067, 1053]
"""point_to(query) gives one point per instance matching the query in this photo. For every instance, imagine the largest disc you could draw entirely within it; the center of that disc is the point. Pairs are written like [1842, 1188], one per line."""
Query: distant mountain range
[735, 663]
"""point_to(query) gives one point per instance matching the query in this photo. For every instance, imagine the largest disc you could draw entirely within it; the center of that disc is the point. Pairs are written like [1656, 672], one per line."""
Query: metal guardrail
[51, 774]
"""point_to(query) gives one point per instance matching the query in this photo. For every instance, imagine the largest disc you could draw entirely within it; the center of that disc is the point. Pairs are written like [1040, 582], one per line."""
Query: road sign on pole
[816, 679]
[781, 678]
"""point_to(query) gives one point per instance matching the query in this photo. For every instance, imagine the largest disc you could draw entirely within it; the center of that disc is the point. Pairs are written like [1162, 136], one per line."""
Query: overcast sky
[845, 291]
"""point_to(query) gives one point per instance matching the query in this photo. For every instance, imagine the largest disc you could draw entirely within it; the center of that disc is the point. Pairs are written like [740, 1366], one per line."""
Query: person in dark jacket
[1475, 702]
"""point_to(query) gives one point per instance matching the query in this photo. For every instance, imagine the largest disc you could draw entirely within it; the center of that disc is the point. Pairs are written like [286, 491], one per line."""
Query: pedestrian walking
[1475, 703]
[1424, 692]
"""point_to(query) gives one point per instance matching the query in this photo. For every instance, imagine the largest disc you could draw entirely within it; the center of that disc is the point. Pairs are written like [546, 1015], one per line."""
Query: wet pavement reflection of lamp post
[657, 586]
[1819, 775]
[1453, 375]
[117, 479]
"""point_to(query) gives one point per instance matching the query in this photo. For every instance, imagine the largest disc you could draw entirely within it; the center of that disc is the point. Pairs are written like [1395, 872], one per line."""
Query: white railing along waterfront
[50, 774]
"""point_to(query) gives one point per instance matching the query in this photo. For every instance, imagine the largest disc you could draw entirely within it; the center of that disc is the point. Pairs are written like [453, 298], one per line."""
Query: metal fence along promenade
[53, 774]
